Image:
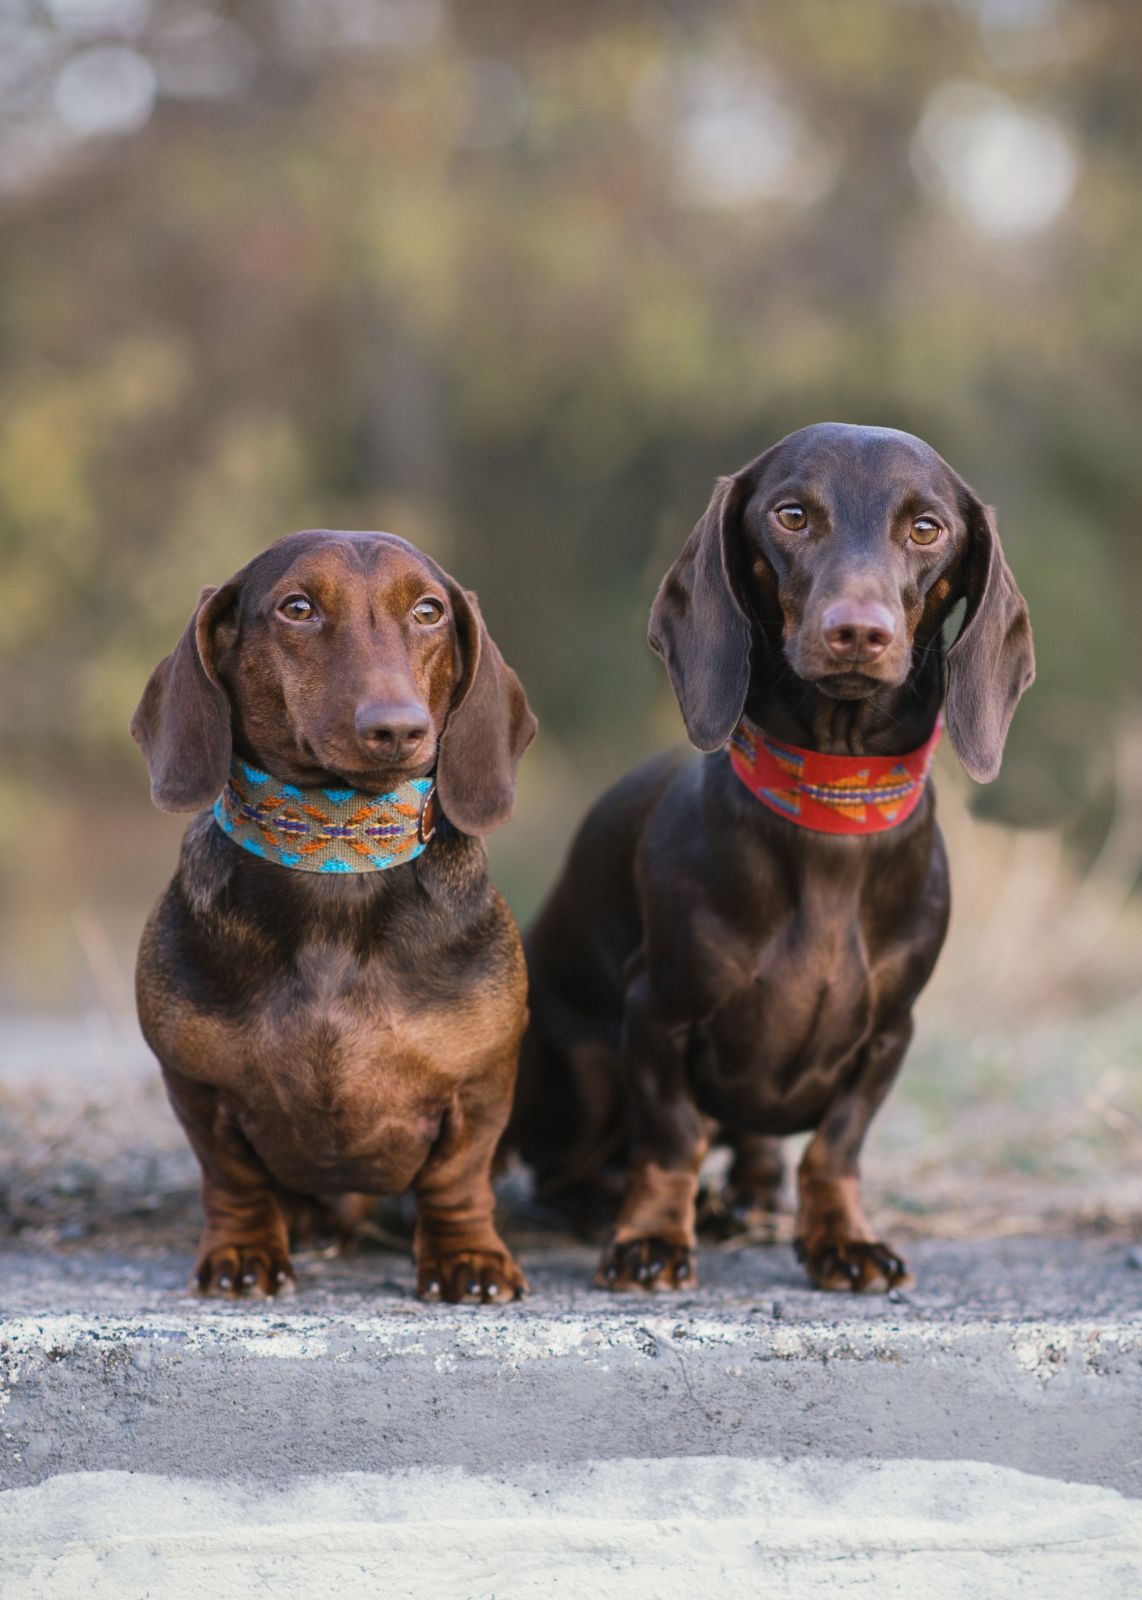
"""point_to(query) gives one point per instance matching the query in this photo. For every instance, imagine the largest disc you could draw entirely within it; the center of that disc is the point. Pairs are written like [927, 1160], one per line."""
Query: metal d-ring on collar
[429, 814]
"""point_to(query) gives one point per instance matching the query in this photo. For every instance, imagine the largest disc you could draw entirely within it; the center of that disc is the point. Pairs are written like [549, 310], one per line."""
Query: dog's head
[852, 546]
[347, 657]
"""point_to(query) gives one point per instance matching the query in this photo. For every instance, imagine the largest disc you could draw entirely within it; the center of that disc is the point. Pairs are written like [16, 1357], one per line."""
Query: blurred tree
[517, 283]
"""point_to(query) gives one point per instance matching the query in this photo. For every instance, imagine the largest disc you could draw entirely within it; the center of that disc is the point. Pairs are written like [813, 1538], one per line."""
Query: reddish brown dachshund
[337, 1032]
[707, 964]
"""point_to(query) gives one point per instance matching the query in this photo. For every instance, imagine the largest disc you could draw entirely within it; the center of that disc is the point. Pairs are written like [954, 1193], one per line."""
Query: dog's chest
[353, 1068]
[812, 993]
[804, 1001]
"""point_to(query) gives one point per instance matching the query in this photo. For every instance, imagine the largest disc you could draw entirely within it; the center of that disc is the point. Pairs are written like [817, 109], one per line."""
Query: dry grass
[1021, 1100]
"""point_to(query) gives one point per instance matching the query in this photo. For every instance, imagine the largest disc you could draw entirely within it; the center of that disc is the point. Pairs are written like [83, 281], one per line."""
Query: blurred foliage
[503, 280]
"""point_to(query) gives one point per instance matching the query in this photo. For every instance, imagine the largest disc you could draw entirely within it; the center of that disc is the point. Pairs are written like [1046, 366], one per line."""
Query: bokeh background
[516, 282]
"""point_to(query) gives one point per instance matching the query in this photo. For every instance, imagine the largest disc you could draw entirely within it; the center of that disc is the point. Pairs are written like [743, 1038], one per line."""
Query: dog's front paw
[250, 1270]
[650, 1263]
[473, 1277]
[865, 1266]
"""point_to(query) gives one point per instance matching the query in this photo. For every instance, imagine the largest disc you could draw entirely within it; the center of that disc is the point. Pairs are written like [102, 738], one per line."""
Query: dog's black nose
[858, 630]
[391, 732]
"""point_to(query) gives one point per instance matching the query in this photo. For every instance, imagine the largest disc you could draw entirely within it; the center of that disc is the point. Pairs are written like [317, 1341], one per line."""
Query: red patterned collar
[831, 794]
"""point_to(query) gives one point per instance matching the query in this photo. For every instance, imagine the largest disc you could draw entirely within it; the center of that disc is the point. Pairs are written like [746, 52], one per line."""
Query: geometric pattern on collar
[831, 794]
[325, 830]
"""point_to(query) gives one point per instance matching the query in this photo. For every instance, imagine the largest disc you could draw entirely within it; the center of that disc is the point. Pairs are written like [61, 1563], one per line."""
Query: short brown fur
[328, 1036]
[706, 967]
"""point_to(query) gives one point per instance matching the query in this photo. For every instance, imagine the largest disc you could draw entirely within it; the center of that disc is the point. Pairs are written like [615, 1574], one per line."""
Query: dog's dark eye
[792, 517]
[296, 608]
[925, 530]
[428, 611]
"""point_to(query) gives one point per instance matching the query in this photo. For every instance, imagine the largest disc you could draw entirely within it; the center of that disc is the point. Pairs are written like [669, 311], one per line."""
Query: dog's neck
[326, 830]
[889, 721]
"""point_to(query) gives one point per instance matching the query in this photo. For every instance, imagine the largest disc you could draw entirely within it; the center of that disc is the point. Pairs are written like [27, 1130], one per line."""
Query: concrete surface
[983, 1428]
[673, 1529]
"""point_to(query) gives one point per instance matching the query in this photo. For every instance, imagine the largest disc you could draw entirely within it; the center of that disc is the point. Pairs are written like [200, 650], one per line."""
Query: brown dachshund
[334, 989]
[737, 942]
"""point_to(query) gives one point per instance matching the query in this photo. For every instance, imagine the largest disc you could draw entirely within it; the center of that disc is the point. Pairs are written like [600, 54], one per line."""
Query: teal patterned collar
[325, 830]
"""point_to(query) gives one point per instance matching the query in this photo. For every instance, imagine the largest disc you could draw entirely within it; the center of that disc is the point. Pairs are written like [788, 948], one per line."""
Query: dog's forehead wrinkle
[364, 548]
[332, 567]
[834, 451]
[856, 475]
[853, 436]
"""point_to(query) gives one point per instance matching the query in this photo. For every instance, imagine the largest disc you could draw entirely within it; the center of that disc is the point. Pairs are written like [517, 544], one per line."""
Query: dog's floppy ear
[489, 726]
[992, 661]
[699, 628]
[182, 722]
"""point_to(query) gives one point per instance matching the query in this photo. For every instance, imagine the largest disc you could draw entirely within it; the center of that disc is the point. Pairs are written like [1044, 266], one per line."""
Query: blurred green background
[516, 282]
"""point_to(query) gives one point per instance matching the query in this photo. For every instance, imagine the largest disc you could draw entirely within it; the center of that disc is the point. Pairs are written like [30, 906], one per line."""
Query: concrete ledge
[1023, 1354]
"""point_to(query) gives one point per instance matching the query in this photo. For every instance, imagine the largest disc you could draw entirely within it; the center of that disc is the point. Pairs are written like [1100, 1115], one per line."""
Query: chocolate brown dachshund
[334, 989]
[708, 966]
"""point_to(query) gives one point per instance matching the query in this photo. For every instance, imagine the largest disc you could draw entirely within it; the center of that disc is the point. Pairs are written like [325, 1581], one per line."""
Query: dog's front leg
[459, 1255]
[245, 1244]
[653, 1244]
[834, 1239]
